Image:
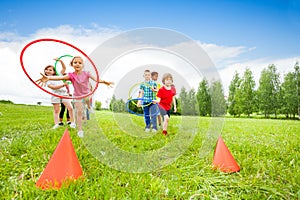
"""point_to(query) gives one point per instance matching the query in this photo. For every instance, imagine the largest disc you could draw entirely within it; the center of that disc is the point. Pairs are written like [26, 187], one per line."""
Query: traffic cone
[223, 158]
[62, 166]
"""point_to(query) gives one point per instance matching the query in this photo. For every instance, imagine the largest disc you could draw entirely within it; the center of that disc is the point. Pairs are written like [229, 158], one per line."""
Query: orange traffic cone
[223, 158]
[62, 166]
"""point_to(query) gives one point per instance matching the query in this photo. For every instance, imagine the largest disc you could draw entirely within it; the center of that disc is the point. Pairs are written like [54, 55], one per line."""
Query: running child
[148, 94]
[58, 87]
[165, 98]
[80, 81]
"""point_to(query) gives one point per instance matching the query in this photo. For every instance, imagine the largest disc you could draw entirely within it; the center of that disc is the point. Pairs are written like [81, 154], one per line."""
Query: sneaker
[68, 122]
[72, 125]
[154, 130]
[164, 132]
[61, 123]
[147, 130]
[55, 126]
[80, 134]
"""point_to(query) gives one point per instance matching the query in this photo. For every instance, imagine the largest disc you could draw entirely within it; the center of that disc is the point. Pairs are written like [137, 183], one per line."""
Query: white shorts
[55, 100]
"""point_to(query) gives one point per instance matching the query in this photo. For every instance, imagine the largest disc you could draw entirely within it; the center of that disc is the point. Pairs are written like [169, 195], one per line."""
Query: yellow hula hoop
[130, 95]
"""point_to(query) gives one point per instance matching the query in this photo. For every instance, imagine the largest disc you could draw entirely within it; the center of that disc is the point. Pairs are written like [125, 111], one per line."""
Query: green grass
[266, 150]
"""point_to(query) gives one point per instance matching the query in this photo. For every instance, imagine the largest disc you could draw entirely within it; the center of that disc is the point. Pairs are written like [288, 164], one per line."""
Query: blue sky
[272, 26]
[235, 33]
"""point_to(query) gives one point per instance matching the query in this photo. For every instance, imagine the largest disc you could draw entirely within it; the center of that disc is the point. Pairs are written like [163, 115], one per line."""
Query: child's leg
[68, 114]
[79, 113]
[87, 102]
[61, 113]
[147, 116]
[153, 111]
[70, 110]
[56, 112]
[159, 120]
[166, 122]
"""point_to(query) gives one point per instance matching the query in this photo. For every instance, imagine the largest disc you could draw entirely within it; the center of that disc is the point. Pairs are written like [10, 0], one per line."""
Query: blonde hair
[165, 76]
[71, 63]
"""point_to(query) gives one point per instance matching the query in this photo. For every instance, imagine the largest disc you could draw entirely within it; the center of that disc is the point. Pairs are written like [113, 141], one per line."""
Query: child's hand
[175, 109]
[155, 101]
[139, 103]
[42, 81]
[109, 84]
[57, 59]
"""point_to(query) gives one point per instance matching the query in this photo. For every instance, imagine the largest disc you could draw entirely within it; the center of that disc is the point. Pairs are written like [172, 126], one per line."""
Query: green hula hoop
[56, 64]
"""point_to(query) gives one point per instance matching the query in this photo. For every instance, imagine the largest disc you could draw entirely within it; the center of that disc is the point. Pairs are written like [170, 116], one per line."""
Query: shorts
[55, 100]
[164, 112]
[81, 100]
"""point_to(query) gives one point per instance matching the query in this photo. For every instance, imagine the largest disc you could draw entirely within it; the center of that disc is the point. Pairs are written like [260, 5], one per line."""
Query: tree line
[271, 97]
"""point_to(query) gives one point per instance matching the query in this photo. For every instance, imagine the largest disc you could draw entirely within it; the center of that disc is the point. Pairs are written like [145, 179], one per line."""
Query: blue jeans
[150, 115]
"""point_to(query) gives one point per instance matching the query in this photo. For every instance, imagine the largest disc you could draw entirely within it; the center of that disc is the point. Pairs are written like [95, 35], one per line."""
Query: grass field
[268, 152]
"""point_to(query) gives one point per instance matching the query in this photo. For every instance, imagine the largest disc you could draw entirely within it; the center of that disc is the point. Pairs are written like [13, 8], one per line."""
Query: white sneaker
[55, 126]
[72, 125]
[80, 134]
[147, 130]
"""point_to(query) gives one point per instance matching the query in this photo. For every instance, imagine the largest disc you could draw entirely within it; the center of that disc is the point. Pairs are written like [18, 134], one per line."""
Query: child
[62, 106]
[165, 97]
[58, 87]
[61, 115]
[154, 77]
[148, 95]
[80, 81]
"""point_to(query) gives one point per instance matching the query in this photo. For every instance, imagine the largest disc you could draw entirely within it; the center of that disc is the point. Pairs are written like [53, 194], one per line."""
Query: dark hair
[154, 73]
[48, 66]
[146, 70]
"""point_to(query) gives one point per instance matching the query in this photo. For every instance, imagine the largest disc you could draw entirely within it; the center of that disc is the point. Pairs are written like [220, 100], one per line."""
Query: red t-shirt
[166, 97]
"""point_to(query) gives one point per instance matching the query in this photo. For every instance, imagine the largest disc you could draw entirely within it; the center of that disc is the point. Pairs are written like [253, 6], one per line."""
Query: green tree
[269, 91]
[203, 98]
[289, 95]
[234, 86]
[218, 102]
[112, 102]
[187, 102]
[193, 105]
[247, 93]
[297, 77]
[98, 105]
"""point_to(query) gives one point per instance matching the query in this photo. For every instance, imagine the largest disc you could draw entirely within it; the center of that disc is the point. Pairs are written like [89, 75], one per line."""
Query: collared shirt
[149, 95]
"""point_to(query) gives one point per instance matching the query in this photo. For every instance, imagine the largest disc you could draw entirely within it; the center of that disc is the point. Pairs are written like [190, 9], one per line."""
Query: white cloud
[283, 66]
[224, 55]
[17, 87]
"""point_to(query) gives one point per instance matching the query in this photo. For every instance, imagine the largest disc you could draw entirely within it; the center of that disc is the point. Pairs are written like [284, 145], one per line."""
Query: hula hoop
[56, 64]
[130, 91]
[132, 112]
[65, 43]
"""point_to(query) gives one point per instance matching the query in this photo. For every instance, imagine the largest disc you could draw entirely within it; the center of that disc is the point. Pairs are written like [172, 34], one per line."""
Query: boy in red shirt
[165, 97]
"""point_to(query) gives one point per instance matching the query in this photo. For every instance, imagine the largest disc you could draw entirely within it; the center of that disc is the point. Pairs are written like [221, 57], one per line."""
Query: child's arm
[63, 66]
[102, 81]
[156, 101]
[141, 94]
[174, 103]
[45, 78]
[56, 87]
